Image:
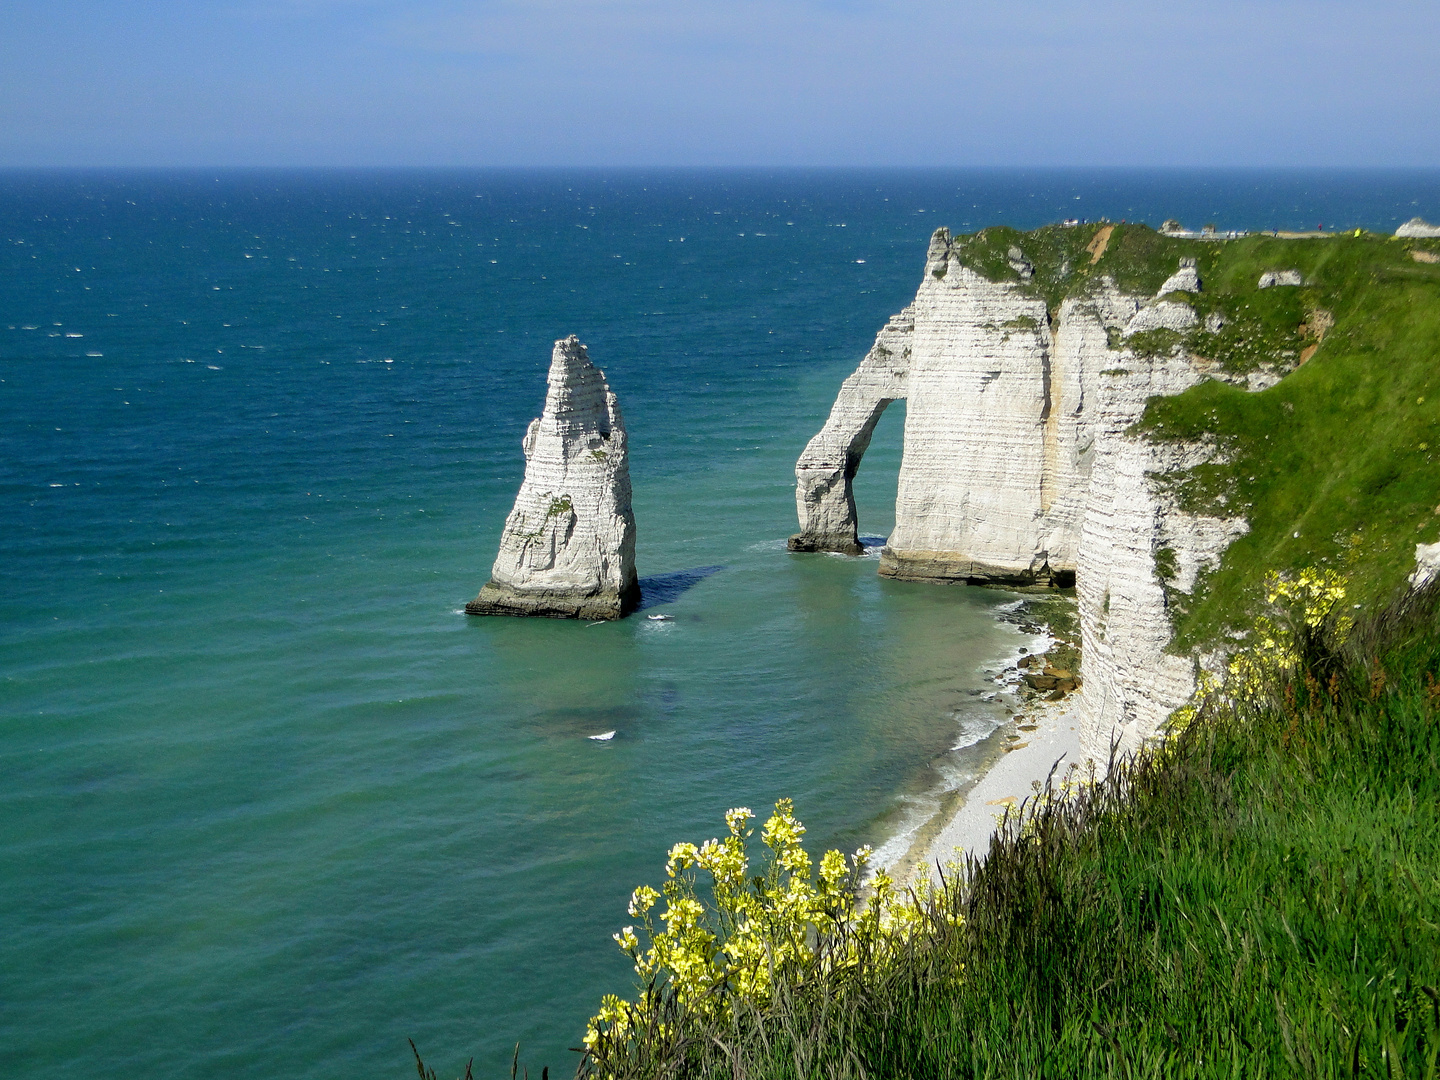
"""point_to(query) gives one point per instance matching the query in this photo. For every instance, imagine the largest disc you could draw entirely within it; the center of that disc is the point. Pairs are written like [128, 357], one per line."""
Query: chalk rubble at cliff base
[568, 548]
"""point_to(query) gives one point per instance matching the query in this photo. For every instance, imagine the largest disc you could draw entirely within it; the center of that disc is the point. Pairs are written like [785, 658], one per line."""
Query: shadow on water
[667, 588]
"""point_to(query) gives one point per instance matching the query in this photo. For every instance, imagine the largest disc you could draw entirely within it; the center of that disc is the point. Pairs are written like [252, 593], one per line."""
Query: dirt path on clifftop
[1099, 243]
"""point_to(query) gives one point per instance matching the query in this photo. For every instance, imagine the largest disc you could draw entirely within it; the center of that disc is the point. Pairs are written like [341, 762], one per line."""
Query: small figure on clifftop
[568, 549]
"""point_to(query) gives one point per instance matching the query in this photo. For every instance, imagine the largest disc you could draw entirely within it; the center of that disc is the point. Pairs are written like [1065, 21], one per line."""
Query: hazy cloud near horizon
[778, 82]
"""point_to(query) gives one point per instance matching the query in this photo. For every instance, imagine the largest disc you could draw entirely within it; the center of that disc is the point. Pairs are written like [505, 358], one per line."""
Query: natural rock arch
[824, 492]
[1021, 465]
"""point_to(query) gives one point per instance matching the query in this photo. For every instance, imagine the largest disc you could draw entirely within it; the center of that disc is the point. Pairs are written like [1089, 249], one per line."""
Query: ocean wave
[974, 730]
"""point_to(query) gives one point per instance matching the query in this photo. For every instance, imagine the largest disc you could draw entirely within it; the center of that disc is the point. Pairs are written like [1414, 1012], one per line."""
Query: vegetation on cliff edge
[1338, 464]
[1259, 896]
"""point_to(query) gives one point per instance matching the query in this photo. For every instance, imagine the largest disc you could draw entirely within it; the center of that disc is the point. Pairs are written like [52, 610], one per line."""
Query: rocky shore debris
[1052, 674]
[568, 548]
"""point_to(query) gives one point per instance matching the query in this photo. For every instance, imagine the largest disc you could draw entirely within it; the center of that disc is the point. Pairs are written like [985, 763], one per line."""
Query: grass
[1339, 463]
[1261, 897]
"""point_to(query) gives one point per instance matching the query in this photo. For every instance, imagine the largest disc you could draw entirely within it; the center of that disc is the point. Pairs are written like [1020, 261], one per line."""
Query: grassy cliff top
[1338, 464]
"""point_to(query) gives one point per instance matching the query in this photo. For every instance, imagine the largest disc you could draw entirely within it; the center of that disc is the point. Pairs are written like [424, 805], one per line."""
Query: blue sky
[719, 82]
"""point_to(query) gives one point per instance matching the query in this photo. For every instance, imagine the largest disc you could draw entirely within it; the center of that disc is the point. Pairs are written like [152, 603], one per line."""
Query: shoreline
[972, 816]
[969, 814]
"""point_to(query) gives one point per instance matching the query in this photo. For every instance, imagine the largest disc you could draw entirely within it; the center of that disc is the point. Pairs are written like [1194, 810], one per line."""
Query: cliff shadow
[667, 588]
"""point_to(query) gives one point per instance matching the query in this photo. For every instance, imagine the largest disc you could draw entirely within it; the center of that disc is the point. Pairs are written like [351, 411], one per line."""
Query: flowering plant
[1298, 605]
[704, 952]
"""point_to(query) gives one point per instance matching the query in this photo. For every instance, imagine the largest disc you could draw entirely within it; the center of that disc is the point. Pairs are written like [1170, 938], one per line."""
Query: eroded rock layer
[568, 549]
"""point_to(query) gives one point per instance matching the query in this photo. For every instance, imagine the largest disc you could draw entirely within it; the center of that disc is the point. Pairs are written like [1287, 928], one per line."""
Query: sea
[272, 805]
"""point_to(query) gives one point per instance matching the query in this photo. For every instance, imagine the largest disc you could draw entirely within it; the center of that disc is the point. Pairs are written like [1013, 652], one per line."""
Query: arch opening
[874, 488]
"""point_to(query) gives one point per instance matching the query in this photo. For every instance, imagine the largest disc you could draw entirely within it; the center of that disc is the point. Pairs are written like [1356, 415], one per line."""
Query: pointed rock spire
[568, 549]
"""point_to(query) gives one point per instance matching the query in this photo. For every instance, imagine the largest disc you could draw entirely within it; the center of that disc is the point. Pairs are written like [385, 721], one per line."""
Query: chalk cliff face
[1418, 227]
[568, 549]
[987, 453]
[1131, 684]
[1019, 467]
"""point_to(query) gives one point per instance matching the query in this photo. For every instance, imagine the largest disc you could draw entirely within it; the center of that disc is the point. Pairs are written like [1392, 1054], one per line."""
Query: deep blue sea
[271, 804]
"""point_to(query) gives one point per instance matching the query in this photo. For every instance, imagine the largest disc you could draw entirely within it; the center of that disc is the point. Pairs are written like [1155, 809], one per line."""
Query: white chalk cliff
[568, 549]
[1417, 227]
[1019, 466]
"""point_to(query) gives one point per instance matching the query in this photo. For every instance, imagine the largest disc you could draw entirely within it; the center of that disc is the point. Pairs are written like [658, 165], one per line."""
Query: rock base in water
[944, 566]
[842, 543]
[497, 599]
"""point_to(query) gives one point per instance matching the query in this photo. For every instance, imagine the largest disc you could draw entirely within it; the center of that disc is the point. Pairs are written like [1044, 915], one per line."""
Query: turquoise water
[271, 804]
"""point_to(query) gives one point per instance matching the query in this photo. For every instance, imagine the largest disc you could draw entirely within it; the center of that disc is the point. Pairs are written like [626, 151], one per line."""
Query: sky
[720, 82]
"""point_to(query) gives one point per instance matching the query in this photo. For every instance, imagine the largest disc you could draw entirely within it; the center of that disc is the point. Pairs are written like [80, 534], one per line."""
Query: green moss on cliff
[1135, 257]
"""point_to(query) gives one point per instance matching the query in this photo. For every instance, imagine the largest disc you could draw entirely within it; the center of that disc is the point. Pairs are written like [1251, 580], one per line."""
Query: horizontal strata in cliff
[1020, 467]
[568, 549]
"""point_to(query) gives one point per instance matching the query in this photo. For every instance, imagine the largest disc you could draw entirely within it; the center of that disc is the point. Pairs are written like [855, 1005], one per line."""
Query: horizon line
[661, 167]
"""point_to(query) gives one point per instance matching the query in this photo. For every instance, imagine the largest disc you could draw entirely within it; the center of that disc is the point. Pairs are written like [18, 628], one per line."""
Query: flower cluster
[1310, 599]
[786, 919]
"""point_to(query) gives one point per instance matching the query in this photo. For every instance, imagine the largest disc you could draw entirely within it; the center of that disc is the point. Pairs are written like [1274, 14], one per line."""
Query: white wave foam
[917, 810]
